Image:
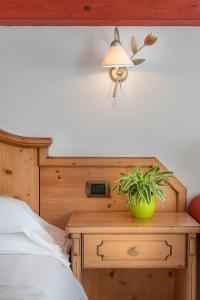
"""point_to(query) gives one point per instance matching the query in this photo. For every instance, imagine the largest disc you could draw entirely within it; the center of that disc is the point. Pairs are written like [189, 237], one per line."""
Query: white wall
[51, 84]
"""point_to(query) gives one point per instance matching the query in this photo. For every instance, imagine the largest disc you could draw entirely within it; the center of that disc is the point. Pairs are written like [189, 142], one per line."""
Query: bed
[34, 262]
[33, 257]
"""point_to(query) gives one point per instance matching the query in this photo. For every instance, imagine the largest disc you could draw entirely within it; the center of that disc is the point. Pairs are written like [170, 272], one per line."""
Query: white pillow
[17, 217]
[58, 235]
[20, 244]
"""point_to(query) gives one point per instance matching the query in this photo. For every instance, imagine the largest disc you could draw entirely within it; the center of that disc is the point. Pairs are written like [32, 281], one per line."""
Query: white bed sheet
[13, 293]
[42, 273]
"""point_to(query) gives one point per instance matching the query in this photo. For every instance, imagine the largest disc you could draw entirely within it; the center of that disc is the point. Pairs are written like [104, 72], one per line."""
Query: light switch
[98, 189]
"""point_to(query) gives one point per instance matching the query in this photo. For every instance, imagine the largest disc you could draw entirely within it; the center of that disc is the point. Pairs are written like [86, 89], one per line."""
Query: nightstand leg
[76, 255]
[191, 273]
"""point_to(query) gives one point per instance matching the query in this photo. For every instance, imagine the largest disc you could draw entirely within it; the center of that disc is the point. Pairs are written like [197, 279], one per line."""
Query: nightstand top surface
[122, 222]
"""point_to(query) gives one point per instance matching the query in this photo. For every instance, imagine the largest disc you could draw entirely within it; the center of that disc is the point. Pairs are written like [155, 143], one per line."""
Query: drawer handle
[133, 251]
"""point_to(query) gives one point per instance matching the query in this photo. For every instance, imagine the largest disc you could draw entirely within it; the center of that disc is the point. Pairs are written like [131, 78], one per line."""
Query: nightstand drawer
[124, 251]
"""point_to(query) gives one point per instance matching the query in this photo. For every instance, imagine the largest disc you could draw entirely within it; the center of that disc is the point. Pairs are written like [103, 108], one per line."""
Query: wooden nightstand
[160, 252]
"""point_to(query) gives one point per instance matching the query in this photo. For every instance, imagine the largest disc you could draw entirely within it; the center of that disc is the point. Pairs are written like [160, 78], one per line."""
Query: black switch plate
[98, 189]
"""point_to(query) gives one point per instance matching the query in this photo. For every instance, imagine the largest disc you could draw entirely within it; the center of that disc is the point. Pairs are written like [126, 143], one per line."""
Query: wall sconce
[118, 60]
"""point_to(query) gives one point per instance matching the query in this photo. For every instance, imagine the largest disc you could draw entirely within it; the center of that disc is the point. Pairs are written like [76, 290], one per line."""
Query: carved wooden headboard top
[56, 186]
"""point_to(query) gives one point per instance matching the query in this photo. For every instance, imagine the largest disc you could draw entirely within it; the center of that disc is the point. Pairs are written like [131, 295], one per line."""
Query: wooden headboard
[55, 186]
[19, 167]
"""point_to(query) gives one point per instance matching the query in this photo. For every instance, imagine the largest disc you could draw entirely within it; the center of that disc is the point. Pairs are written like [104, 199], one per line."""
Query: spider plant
[142, 187]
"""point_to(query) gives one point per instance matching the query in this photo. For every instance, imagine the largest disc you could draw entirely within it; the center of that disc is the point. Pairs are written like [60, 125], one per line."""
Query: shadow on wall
[91, 55]
[189, 166]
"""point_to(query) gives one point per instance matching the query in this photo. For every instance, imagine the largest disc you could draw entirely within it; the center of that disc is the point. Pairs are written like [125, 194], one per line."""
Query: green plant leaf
[137, 198]
[153, 189]
[155, 169]
[151, 170]
[128, 203]
[138, 185]
[161, 196]
[165, 174]
[115, 187]
[128, 184]
[146, 195]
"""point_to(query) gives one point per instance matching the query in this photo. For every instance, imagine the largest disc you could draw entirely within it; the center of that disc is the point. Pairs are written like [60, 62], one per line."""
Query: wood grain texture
[62, 189]
[19, 167]
[180, 291]
[111, 162]
[122, 222]
[191, 270]
[126, 284]
[142, 284]
[134, 251]
[94, 12]
[76, 256]
[22, 141]
[19, 174]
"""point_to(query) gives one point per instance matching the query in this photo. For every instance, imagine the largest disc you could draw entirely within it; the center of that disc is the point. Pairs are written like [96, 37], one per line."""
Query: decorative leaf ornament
[138, 61]
[134, 45]
[149, 40]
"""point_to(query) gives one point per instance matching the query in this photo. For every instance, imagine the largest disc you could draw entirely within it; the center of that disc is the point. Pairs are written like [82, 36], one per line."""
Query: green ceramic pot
[143, 210]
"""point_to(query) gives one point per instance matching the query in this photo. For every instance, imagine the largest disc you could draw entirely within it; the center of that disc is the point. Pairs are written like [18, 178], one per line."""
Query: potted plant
[142, 190]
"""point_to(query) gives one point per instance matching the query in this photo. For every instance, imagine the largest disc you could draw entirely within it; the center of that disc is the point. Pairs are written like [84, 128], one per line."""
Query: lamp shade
[116, 56]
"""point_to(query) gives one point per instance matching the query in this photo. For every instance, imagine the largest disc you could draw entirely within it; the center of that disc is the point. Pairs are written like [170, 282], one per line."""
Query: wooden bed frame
[55, 187]
[19, 167]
